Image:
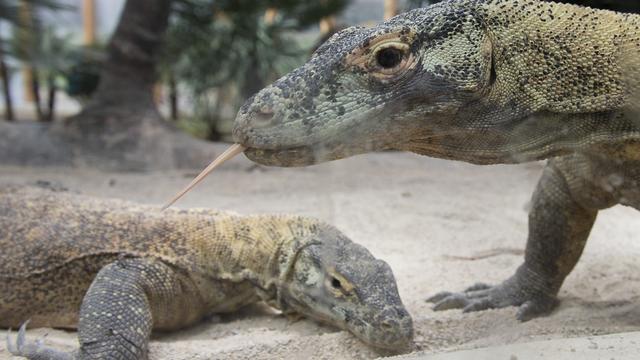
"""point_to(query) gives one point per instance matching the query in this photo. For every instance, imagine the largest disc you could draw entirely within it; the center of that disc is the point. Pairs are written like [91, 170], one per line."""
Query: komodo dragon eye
[389, 58]
[386, 57]
[338, 284]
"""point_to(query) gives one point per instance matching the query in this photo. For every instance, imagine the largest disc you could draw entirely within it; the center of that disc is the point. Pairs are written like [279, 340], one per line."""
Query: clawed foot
[532, 303]
[33, 350]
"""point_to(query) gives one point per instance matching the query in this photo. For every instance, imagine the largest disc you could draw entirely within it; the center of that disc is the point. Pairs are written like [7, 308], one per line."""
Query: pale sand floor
[413, 212]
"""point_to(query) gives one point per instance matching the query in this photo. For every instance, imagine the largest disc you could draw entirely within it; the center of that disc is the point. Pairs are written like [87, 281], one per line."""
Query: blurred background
[185, 64]
[215, 53]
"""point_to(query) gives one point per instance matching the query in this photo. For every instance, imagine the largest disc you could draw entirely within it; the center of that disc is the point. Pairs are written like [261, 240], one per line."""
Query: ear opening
[291, 257]
[493, 75]
[488, 58]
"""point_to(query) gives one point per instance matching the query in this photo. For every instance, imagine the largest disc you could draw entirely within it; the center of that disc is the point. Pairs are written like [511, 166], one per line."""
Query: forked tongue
[230, 153]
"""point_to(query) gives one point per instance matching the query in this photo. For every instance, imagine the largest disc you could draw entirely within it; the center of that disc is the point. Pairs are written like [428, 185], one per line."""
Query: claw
[477, 294]
[478, 287]
[22, 335]
[10, 346]
[35, 350]
[532, 309]
[17, 347]
[453, 301]
[478, 305]
[439, 297]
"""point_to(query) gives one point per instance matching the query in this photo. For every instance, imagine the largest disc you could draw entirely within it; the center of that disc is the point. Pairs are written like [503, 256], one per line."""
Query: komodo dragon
[486, 82]
[115, 270]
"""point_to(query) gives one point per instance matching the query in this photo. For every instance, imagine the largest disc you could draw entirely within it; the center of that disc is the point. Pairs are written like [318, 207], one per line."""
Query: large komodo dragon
[115, 270]
[482, 81]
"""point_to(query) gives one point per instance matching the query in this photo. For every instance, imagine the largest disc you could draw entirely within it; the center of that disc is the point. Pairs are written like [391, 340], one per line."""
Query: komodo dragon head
[482, 81]
[479, 81]
[329, 278]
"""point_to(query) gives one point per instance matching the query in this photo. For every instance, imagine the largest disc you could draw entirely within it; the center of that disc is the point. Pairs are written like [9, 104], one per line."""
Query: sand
[415, 213]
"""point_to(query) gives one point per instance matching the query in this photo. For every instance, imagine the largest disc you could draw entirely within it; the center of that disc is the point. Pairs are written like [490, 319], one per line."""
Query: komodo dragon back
[76, 226]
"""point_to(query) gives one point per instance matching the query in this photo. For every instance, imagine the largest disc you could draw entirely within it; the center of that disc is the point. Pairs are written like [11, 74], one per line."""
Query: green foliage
[83, 76]
[12, 12]
[44, 50]
[53, 56]
[229, 49]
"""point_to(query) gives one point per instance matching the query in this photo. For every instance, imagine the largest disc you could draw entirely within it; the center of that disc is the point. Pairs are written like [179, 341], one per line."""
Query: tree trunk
[35, 90]
[121, 127]
[6, 89]
[390, 9]
[173, 98]
[51, 101]
[130, 70]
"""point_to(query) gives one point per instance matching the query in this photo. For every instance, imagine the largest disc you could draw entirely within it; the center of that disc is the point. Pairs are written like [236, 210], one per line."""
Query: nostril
[386, 325]
[264, 116]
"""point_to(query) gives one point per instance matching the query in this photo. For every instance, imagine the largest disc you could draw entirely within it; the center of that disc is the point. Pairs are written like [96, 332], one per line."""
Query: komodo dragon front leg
[125, 301]
[564, 208]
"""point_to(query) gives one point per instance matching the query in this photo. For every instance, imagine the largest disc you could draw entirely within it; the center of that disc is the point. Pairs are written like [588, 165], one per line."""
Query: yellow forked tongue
[231, 152]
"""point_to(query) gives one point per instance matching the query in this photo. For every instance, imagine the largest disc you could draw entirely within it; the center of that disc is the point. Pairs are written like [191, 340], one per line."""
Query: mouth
[394, 340]
[287, 157]
[373, 338]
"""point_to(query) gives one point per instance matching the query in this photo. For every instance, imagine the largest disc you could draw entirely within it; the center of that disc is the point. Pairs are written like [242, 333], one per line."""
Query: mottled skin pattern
[117, 270]
[482, 81]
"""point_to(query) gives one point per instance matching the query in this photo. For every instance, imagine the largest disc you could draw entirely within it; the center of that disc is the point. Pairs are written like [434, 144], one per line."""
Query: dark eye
[389, 58]
[336, 283]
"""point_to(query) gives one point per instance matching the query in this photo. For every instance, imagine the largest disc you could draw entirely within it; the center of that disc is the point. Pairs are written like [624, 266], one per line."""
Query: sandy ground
[415, 213]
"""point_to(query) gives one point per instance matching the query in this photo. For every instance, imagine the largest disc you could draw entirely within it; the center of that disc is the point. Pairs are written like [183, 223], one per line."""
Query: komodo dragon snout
[369, 89]
[339, 282]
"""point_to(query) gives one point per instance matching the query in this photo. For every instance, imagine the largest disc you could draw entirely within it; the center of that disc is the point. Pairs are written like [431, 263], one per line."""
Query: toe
[478, 287]
[535, 308]
[478, 294]
[453, 301]
[439, 297]
[478, 305]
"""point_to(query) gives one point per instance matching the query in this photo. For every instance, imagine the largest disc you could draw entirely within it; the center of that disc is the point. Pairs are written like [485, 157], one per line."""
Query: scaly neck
[247, 248]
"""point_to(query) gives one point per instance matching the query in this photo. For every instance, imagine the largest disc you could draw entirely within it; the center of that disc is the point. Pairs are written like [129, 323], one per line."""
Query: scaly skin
[117, 270]
[486, 82]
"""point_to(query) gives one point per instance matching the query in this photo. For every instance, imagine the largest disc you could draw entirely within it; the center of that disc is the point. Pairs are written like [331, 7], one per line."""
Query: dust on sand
[419, 215]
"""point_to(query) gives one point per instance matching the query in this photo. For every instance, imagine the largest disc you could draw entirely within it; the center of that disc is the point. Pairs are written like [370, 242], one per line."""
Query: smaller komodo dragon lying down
[114, 270]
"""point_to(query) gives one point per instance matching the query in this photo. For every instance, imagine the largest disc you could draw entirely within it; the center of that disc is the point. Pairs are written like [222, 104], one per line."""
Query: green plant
[35, 45]
[226, 50]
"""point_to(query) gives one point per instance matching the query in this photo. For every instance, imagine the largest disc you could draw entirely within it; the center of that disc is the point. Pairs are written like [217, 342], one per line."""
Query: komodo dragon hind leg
[558, 231]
